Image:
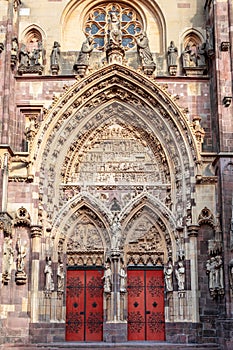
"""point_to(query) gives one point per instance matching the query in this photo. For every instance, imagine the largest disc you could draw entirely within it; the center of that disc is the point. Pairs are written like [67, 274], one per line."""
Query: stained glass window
[96, 24]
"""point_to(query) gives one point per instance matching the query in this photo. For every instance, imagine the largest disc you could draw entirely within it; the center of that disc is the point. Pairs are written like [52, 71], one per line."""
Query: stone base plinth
[115, 332]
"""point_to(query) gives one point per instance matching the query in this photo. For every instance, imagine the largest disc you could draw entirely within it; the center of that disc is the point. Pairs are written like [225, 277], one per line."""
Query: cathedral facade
[116, 145]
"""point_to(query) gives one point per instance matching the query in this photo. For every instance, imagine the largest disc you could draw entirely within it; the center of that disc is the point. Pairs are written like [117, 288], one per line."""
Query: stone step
[120, 346]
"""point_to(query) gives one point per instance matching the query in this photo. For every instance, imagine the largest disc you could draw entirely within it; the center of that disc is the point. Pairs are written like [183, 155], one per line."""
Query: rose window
[97, 23]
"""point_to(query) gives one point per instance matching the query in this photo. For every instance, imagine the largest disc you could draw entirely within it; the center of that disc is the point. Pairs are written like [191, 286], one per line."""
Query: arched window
[96, 24]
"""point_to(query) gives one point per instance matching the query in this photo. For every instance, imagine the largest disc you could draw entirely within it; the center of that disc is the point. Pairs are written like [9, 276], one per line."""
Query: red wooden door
[84, 305]
[146, 305]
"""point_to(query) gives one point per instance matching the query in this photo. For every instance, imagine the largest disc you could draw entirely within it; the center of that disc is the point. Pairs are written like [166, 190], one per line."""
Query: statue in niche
[144, 50]
[180, 275]
[201, 55]
[36, 55]
[214, 269]
[7, 258]
[172, 55]
[86, 50]
[107, 278]
[49, 284]
[189, 58]
[24, 56]
[123, 276]
[211, 272]
[115, 34]
[168, 272]
[22, 252]
[60, 278]
[55, 58]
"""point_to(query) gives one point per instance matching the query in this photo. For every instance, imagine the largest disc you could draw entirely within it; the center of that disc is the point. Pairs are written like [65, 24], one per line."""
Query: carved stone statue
[201, 55]
[219, 274]
[83, 60]
[86, 50]
[145, 53]
[7, 259]
[180, 275]
[115, 34]
[172, 54]
[22, 252]
[49, 284]
[116, 231]
[209, 42]
[14, 51]
[107, 279]
[55, 58]
[211, 271]
[60, 278]
[24, 56]
[123, 276]
[168, 271]
[189, 58]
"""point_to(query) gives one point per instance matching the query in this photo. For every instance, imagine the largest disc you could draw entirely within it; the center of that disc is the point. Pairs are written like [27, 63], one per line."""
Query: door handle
[82, 313]
[147, 312]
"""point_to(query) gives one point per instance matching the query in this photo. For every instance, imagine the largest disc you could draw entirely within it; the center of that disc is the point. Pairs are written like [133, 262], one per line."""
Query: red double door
[146, 305]
[84, 305]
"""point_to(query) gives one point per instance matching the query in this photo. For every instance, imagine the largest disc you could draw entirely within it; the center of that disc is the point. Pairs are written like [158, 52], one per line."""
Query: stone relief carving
[85, 237]
[22, 217]
[194, 58]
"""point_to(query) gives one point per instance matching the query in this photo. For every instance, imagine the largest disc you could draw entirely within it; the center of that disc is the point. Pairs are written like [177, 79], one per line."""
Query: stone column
[193, 233]
[115, 329]
[36, 233]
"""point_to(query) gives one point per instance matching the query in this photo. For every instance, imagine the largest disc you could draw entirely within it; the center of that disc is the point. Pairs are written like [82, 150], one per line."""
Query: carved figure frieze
[85, 237]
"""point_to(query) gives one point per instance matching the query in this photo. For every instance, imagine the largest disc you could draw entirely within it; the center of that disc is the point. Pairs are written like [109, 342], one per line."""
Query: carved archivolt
[115, 134]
